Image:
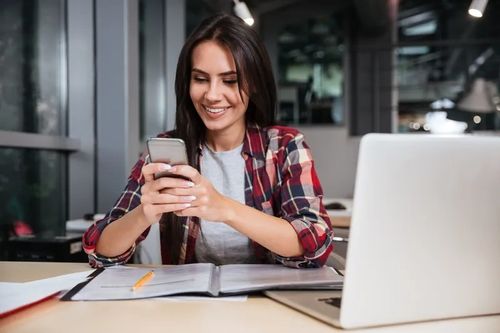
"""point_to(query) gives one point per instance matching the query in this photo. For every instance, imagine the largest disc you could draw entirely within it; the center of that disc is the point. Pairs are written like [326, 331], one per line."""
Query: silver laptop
[425, 234]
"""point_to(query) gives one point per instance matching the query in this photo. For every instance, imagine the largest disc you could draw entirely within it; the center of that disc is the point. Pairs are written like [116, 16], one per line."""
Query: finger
[180, 191]
[146, 188]
[149, 170]
[167, 208]
[159, 198]
[170, 182]
[189, 211]
[187, 171]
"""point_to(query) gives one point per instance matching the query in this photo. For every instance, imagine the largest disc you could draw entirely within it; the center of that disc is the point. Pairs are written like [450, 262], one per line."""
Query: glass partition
[33, 189]
[448, 67]
[33, 99]
[33, 66]
[311, 75]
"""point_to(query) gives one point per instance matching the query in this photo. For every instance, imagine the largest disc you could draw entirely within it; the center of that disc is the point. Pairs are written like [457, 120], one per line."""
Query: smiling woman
[253, 195]
[215, 95]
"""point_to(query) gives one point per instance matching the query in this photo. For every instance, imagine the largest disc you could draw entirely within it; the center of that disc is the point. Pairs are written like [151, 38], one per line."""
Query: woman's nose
[213, 93]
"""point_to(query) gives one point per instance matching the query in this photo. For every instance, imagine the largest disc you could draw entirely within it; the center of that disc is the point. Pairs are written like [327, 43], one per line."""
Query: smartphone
[167, 150]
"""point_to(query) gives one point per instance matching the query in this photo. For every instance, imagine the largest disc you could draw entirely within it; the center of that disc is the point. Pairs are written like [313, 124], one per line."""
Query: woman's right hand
[154, 203]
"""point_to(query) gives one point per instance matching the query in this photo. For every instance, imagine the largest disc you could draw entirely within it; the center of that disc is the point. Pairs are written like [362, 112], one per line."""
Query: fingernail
[187, 205]
[191, 198]
[165, 167]
[189, 184]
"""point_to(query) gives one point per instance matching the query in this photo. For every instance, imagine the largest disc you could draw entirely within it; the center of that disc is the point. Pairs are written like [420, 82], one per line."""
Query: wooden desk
[258, 314]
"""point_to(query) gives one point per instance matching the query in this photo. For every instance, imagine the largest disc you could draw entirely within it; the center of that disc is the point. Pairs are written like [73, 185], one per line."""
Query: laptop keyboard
[334, 301]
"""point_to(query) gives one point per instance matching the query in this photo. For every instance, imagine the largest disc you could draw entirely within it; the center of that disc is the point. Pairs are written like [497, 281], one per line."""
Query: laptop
[424, 241]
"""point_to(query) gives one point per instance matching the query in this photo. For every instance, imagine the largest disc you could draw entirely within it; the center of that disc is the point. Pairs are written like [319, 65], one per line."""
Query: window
[310, 61]
[32, 100]
[445, 56]
[33, 66]
[33, 189]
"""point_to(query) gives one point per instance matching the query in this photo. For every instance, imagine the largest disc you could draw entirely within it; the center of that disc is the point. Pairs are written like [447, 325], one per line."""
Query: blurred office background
[83, 83]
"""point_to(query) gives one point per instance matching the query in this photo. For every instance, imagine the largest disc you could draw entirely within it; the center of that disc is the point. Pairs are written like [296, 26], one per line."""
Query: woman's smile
[216, 110]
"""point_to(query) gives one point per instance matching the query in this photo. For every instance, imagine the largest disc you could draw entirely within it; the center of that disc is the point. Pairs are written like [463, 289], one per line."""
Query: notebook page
[240, 278]
[116, 282]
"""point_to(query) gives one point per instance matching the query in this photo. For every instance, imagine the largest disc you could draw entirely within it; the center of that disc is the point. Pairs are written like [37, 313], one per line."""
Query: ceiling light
[413, 50]
[426, 28]
[241, 10]
[476, 7]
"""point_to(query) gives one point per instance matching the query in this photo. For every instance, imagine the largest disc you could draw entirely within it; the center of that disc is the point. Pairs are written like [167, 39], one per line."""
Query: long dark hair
[255, 78]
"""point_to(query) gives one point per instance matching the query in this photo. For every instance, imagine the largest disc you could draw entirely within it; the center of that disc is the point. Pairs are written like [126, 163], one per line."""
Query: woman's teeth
[214, 110]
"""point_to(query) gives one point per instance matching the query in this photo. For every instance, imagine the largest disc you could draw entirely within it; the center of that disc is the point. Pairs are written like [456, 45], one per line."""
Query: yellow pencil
[143, 280]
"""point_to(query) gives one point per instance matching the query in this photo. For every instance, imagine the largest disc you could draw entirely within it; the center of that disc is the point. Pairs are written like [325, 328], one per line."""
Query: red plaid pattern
[280, 180]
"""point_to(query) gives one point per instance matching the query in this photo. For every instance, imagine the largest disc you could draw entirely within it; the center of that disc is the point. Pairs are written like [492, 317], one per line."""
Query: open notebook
[116, 283]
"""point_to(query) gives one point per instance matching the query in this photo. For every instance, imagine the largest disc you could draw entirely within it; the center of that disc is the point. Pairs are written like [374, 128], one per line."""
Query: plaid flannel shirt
[280, 180]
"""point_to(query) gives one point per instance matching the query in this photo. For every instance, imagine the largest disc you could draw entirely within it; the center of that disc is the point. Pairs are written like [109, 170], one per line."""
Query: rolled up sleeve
[129, 199]
[301, 205]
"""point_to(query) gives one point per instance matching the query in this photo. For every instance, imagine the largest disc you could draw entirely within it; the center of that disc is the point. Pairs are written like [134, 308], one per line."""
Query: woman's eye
[199, 79]
[230, 81]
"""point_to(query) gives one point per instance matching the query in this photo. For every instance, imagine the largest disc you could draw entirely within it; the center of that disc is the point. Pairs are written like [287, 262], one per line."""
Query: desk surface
[257, 314]
[340, 217]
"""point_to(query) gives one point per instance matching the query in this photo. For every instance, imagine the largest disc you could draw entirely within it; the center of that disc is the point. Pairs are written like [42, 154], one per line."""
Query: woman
[253, 194]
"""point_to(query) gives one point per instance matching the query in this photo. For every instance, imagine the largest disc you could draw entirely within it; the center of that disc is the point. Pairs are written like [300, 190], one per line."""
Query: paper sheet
[16, 295]
[116, 282]
[239, 298]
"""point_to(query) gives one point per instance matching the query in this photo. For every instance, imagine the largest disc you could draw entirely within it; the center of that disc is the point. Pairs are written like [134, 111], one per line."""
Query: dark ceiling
[452, 43]
[453, 21]
[449, 35]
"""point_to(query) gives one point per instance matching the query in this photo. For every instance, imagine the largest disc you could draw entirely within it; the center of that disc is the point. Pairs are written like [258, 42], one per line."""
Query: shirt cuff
[317, 242]
[97, 261]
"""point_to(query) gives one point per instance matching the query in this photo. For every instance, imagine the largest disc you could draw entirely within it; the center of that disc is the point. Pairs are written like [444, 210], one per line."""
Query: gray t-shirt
[218, 243]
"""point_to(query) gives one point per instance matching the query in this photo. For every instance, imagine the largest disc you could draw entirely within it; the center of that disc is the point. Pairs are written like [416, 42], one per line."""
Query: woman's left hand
[209, 203]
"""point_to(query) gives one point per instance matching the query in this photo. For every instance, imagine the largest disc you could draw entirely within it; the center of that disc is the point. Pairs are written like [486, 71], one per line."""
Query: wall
[335, 154]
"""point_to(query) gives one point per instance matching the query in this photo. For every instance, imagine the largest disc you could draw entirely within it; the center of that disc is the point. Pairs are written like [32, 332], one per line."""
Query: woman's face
[214, 90]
